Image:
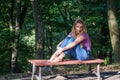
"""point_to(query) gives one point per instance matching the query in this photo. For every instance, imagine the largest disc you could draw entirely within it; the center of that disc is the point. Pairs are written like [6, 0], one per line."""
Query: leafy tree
[56, 17]
[114, 31]
[38, 29]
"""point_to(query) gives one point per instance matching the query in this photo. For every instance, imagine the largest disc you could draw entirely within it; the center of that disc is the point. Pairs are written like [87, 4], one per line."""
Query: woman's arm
[58, 46]
[62, 40]
[78, 40]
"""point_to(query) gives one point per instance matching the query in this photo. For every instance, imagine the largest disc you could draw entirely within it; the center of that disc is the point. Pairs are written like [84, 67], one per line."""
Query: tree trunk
[11, 30]
[11, 17]
[16, 38]
[23, 14]
[47, 43]
[38, 29]
[114, 31]
[50, 39]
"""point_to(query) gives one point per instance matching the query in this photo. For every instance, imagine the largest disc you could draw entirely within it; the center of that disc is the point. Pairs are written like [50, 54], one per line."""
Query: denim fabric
[77, 52]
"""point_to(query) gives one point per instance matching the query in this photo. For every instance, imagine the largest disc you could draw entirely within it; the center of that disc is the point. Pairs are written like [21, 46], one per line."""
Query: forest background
[31, 29]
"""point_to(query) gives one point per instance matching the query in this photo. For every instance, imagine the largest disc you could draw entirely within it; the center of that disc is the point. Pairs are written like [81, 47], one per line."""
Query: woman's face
[79, 28]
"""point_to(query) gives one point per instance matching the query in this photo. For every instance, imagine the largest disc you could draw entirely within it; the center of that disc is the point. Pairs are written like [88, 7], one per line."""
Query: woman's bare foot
[50, 60]
[59, 58]
[55, 60]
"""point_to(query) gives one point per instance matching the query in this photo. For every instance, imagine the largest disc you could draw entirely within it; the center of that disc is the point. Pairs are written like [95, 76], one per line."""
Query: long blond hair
[74, 34]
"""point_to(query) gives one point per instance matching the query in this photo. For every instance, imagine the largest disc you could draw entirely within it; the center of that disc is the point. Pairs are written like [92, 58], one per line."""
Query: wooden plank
[65, 62]
[41, 63]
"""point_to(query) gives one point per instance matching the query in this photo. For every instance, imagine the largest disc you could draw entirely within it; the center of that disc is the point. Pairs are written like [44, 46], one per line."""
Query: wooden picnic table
[42, 63]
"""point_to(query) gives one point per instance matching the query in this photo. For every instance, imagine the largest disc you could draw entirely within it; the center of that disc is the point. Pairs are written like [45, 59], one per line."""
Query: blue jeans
[77, 52]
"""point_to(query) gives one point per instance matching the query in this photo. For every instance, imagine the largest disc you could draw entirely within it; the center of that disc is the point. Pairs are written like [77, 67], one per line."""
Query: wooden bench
[42, 63]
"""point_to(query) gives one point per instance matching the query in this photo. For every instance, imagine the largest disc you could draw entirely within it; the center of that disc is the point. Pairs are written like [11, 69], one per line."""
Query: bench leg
[98, 71]
[33, 72]
[40, 75]
[89, 69]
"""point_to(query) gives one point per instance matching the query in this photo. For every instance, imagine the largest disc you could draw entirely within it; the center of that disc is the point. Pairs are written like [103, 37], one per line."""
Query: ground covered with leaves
[65, 70]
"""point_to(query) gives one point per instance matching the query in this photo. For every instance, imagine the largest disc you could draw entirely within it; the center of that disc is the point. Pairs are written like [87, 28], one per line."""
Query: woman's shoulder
[85, 33]
[70, 34]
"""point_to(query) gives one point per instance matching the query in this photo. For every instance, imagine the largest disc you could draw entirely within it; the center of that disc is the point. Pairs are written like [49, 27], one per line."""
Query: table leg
[33, 72]
[40, 71]
[98, 71]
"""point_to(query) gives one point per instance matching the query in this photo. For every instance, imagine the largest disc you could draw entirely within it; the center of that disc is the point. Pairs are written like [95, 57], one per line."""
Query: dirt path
[71, 72]
[84, 76]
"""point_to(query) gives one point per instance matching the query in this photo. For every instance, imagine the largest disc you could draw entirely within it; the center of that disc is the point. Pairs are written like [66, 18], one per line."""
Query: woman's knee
[62, 55]
[67, 41]
[71, 39]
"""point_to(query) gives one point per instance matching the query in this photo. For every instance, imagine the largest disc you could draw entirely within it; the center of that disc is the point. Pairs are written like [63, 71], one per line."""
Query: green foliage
[59, 15]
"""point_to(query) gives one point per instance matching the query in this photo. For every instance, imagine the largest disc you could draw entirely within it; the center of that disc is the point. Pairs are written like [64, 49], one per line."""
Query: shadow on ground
[84, 76]
[110, 75]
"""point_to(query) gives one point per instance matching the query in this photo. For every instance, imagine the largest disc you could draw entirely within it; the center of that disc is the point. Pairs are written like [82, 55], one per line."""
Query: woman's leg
[79, 53]
[55, 55]
[59, 56]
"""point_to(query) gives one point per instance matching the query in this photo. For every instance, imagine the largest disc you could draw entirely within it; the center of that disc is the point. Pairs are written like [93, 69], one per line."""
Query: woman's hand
[60, 50]
[58, 47]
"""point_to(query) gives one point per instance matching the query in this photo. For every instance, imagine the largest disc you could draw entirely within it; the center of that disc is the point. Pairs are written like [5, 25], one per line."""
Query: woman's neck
[80, 33]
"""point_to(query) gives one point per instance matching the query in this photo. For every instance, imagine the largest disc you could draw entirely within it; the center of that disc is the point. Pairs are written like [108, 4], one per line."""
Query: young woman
[77, 43]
